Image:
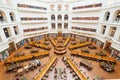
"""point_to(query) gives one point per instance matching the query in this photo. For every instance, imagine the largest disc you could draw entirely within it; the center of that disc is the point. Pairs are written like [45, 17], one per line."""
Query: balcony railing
[2, 21]
[116, 21]
[0, 40]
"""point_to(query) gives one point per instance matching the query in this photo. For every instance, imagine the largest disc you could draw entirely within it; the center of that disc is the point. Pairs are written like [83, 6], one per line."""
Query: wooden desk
[101, 49]
[75, 68]
[107, 66]
[79, 45]
[86, 63]
[25, 57]
[40, 45]
[93, 56]
[34, 50]
[67, 40]
[28, 47]
[52, 41]
[16, 51]
[43, 46]
[46, 68]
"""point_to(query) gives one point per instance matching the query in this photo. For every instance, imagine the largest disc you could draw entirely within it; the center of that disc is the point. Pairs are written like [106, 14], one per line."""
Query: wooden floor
[96, 71]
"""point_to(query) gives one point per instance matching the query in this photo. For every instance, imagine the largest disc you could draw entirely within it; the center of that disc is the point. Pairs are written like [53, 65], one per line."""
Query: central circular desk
[60, 49]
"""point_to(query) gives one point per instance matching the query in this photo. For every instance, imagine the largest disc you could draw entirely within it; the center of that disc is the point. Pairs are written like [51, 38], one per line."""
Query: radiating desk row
[64, 44]
[75, 68]
[52, 40]
[67, 40]
[93, 56]
[79, 45]
[26, 57]
[46, 68]
[40, 45]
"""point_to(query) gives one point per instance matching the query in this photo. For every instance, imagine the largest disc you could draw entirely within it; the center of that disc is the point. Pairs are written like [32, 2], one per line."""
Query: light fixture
[119, 14]
[113, 30]
[5, 30]
[0, 14]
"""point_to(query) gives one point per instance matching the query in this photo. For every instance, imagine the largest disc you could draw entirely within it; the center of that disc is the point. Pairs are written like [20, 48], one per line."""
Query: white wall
[8, 6]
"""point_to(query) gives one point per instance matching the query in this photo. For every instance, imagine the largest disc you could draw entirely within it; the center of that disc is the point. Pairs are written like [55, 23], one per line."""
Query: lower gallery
[60, 57]
[59, 39]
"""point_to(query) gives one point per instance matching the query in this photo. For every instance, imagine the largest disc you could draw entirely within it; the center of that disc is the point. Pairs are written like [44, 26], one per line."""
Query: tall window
[53, 25]
[12, 16]
[59, 7]
[2, 17]
[103, 29]
[65, 25]
[16, 29]
[107, 15]
[66, 17]
[112, 31]
[66, 7]
[7, 32]
[59, 26]
[59, 17]
[52, 7]
[117, 16]
[52, 17]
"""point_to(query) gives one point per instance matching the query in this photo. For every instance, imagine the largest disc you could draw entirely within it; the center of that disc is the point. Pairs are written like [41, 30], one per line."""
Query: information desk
[79, 45]
[60, 49]
[75, 68]
[64, 44]
[60, 52]
[46, 68]
[26, 57]
[93, 56]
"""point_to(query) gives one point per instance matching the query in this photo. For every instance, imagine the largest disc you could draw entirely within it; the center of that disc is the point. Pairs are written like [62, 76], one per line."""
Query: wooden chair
[74, 74]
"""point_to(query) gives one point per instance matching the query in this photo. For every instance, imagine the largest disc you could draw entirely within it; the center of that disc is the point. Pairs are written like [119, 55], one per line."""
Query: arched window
[52, 17]
[65, 25]
[12, 16]
[7, 32]
[59, 26]
[2, 17]
[66, 17]
[16, 30]
[53, 25]
[117, 16]
[112, 31]
[103, 29]
[59, 17]
[107, 15]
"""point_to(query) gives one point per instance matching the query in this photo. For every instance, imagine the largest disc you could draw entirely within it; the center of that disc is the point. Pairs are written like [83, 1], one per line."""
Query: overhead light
[119, 13]
[113, 30]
